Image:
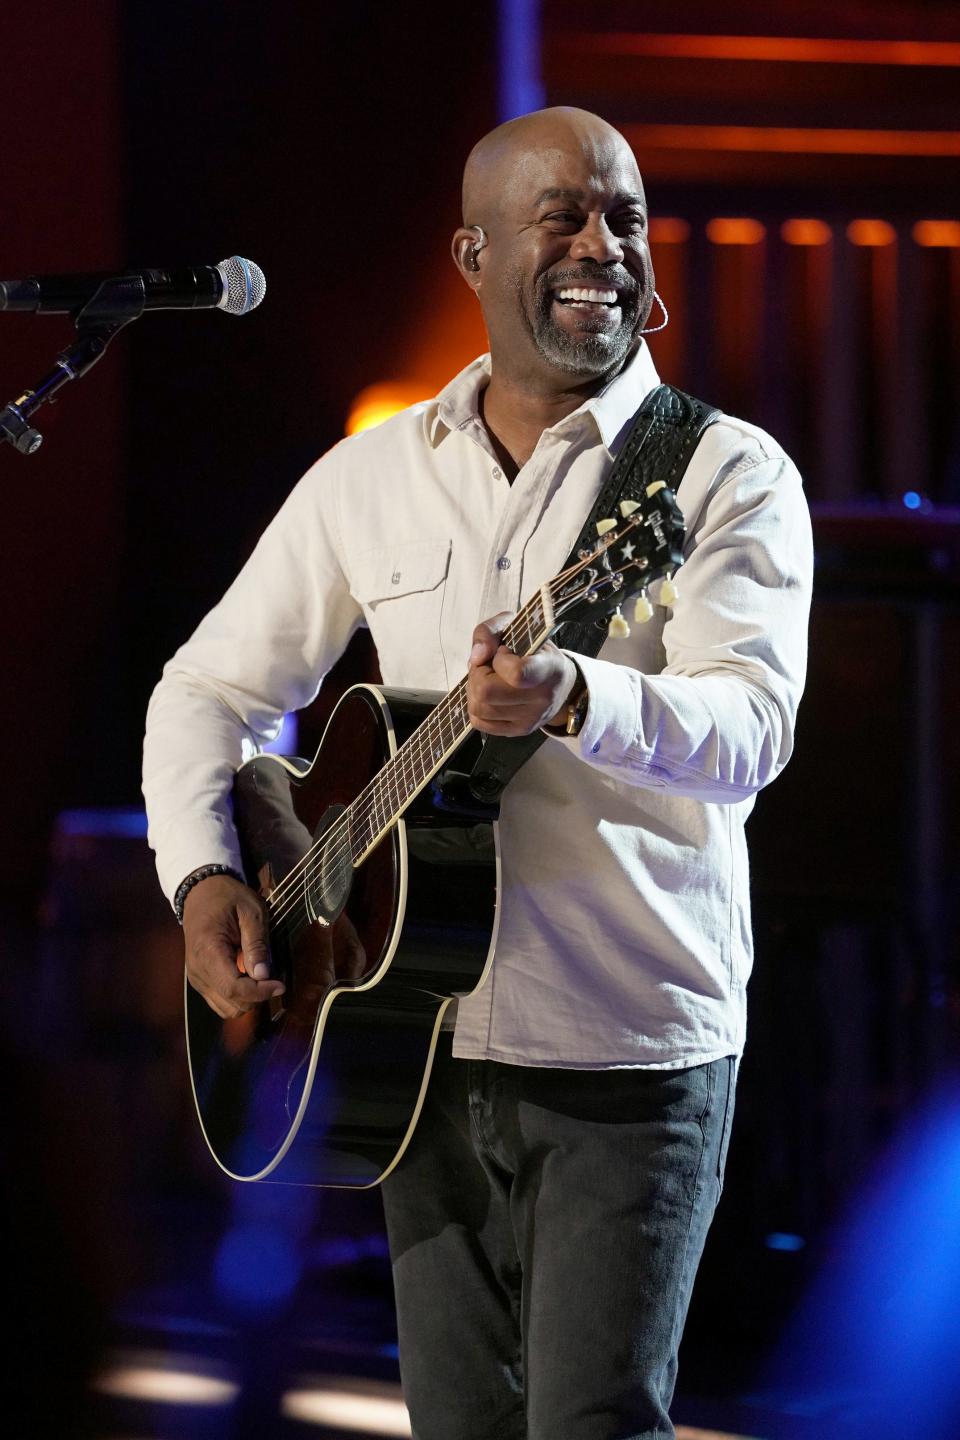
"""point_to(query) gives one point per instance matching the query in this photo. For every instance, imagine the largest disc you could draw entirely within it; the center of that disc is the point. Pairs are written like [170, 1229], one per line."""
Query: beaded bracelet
[194, 878]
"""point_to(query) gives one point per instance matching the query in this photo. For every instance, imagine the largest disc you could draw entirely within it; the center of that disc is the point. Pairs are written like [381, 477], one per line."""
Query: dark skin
[551, 201]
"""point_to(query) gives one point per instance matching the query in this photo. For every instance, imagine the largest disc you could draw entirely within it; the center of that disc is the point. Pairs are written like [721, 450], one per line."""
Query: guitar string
[422, 751]
[368, 799]
[285, 901]
[411, 762]
[366, 817]
[361, 817]
[294, 887]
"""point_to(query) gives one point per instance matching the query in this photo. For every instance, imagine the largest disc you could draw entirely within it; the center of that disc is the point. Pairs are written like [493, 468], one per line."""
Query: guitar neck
[381, 803]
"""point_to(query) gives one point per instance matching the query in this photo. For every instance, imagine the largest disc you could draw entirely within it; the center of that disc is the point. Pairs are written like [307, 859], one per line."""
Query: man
[546, 1222]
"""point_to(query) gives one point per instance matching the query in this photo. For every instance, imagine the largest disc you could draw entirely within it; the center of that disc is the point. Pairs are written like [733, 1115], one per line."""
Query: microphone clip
[118, 300]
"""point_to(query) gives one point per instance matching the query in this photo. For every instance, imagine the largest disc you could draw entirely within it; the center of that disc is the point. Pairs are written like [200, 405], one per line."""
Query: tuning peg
[669, 594]
[627, 507]
[603, 526]
[642, 610]
[618, 628]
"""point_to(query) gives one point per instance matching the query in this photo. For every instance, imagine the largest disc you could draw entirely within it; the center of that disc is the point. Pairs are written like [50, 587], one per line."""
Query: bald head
[554, 246]
[501, 158]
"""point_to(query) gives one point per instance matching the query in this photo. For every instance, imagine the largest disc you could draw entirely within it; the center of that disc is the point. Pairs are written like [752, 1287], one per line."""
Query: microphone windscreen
[244, 285]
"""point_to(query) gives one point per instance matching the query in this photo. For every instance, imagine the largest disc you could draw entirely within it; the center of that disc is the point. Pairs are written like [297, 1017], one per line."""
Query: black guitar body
[380, 875]
[323, 1086]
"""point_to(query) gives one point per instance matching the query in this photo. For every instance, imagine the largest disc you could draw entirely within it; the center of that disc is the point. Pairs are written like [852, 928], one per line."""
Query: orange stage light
[809, 50]
[736, 230]
[806, 232]
[378, 402]
[875, 233]
[666, 230]
[793, 141]
[945, 233]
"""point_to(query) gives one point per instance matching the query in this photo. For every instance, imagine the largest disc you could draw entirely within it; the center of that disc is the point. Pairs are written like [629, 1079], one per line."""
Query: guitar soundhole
[328, 879]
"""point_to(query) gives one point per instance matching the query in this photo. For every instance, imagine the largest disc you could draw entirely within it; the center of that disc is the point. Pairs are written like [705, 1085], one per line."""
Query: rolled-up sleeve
[261, 652]
[716, 722]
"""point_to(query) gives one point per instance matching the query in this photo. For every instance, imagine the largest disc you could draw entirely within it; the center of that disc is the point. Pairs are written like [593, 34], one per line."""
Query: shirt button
[504, 562]
[497, 472]
[595, 750]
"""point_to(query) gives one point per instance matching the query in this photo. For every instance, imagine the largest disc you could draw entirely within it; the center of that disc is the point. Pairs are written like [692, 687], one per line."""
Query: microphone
[235, 285]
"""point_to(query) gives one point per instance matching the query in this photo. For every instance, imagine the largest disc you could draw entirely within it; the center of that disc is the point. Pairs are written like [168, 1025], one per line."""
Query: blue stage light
[912, 500]
[780, 1240]
[257, 1265]
[519, 79]
[286, 742]
[875, 1343]
[114, 822]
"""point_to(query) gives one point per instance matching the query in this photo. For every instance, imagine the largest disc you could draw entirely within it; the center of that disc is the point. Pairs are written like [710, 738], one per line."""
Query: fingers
[226, 991]
[515, 694]
[254, 957]
[225, 936]
[486, 639]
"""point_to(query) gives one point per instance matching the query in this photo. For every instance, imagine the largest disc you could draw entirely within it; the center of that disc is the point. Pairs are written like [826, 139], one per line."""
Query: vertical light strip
[519, 79]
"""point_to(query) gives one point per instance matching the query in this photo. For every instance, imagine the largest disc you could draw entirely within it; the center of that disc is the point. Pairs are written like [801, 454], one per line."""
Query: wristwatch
[576, 710]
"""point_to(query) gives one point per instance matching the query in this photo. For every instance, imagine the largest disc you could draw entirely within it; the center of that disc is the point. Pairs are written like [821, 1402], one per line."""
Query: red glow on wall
[806, 232]
[788, 48]
[796, 140]
[735, 230]
[937, 233]
[873, 233]
[668, 230]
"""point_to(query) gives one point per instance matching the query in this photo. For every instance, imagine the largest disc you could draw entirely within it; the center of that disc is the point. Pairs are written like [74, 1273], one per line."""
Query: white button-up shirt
[624, 935]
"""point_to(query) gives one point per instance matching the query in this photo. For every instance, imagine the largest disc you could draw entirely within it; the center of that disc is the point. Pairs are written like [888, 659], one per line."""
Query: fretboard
[378, 807]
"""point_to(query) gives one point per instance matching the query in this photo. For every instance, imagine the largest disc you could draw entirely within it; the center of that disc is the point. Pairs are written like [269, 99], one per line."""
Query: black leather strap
[665, 432]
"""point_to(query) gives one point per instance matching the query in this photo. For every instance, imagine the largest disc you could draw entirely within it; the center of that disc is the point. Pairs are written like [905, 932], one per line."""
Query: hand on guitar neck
[510, 694]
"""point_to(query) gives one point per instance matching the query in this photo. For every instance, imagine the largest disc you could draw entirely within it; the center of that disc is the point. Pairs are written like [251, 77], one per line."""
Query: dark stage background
[801, 166]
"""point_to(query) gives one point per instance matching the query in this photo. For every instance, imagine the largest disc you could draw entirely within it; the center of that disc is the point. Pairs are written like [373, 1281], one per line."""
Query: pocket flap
[400, 570]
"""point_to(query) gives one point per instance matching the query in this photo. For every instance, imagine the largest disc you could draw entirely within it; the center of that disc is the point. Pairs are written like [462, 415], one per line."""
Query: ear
[465, 248]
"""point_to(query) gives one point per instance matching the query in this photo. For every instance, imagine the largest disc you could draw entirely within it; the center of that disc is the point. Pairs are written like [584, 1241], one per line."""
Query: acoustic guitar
[380, 874]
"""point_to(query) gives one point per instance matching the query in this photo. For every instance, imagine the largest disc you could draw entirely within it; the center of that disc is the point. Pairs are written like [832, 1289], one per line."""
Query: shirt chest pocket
[402, 589]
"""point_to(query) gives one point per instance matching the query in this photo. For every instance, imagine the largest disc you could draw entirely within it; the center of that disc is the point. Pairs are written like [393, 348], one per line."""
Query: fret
[368, 799]
[376, 806]
[384, 806]
[528, 631]
[424, 751]
[358, 830]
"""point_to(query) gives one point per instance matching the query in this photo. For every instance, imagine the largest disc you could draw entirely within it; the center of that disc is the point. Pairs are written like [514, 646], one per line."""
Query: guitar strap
[665, 432]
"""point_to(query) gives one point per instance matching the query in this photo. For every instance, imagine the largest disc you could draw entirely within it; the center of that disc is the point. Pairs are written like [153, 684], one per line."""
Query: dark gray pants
[545, 1228]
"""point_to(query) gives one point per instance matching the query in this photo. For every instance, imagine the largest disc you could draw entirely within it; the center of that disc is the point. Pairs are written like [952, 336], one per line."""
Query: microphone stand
[115, 304]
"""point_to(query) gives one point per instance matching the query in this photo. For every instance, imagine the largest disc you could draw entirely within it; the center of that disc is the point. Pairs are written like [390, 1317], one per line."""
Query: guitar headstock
[641, 546]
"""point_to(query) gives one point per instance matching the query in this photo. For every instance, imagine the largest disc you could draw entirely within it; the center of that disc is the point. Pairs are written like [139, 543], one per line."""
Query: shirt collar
[612, 408]
[458, 402]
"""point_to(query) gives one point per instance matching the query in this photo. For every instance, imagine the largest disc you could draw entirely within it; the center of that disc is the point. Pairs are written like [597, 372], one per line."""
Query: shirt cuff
[610, 725]
[210, 842]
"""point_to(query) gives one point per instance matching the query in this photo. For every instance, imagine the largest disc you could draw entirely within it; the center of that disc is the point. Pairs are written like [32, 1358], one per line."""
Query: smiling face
[564, 278]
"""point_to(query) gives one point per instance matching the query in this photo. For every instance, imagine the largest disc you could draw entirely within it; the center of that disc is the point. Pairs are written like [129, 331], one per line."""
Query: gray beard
[590, 355]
